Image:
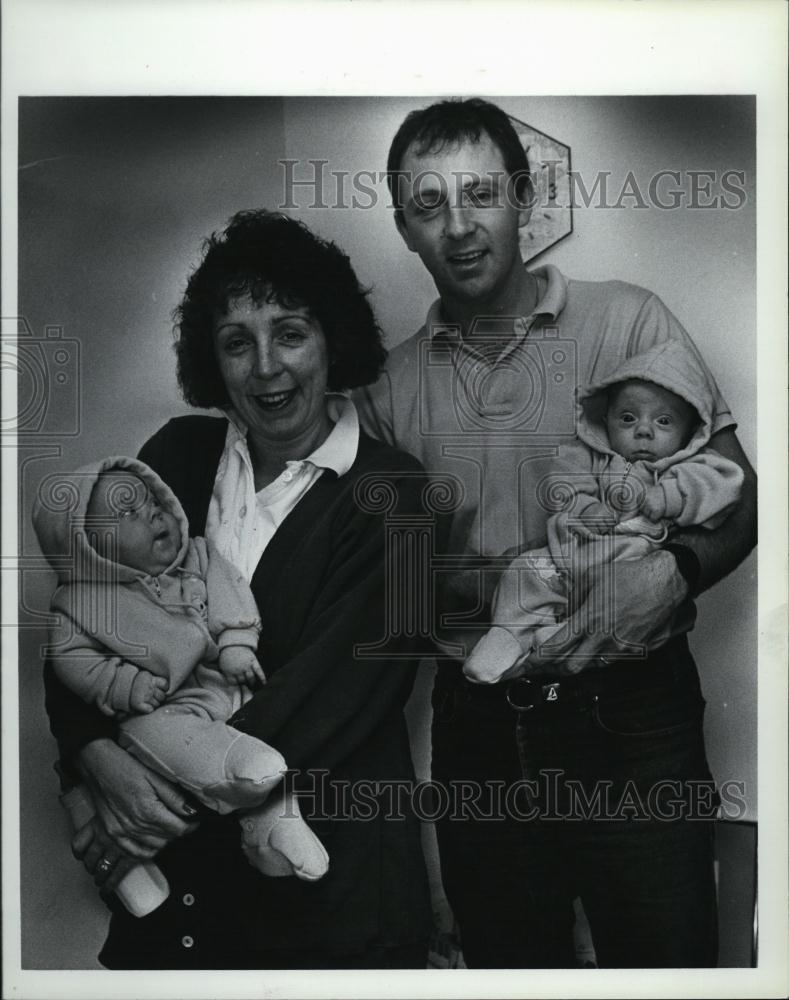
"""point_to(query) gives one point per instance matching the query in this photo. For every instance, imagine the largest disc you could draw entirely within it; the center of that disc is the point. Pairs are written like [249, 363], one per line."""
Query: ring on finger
[105, 866]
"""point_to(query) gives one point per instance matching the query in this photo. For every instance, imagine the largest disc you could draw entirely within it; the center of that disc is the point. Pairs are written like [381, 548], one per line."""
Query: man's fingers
[558, 646]
[257, 670]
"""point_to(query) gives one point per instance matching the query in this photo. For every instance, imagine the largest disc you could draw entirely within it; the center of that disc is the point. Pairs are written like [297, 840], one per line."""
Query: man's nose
[458, 223]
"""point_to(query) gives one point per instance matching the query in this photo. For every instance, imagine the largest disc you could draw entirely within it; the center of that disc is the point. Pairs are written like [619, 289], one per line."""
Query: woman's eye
[234, 345]
[292, 336]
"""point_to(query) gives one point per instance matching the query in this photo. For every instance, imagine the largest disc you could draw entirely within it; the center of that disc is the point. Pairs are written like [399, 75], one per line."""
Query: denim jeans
[613, 801]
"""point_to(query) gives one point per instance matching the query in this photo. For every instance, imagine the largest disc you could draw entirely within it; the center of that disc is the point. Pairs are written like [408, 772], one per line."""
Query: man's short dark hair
[447, 122]
[273, 258]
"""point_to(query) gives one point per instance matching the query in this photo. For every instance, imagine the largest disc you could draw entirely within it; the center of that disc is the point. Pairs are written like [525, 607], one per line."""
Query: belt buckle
[520, 694]
[550, 692]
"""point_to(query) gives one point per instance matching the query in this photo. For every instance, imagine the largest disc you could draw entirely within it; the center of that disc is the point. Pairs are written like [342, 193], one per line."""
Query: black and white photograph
[381, 587]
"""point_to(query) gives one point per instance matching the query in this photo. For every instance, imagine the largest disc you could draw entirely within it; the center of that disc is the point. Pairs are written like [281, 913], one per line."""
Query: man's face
[460, 216]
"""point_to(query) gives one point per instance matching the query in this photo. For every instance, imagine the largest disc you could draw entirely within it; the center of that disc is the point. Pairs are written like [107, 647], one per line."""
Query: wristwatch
[688, 565]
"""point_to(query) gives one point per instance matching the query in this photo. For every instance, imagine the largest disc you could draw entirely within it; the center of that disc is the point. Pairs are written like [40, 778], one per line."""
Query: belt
[670, 664]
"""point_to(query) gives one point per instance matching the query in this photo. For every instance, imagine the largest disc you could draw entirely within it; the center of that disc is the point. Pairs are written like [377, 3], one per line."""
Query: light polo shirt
[241, 522]
[493, 429]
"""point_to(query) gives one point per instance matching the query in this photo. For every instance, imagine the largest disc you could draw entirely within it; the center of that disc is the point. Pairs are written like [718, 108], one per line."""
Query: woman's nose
[267, 363]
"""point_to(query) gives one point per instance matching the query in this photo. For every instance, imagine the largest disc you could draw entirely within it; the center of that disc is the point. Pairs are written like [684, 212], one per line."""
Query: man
[484, 394]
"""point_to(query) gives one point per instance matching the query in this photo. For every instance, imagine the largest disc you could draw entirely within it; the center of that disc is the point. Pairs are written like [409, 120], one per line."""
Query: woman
[272, 325]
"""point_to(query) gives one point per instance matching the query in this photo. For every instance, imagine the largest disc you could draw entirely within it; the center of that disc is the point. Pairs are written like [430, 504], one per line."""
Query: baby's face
[148, 536]
[646, 422]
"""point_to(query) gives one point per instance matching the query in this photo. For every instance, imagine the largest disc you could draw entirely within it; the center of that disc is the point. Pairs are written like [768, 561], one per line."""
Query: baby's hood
[672, 365]
[59, 514]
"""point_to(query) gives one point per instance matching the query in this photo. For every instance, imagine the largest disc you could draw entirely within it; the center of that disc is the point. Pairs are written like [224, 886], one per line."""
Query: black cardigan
[337, 718]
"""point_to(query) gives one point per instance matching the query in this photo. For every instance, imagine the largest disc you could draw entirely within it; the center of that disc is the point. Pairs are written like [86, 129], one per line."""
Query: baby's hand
[653, 505]
[239, 664]
[147, 692]
[596, 519]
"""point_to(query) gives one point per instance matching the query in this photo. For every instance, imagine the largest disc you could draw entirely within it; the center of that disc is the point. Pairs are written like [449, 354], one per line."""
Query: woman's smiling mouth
[275, 400]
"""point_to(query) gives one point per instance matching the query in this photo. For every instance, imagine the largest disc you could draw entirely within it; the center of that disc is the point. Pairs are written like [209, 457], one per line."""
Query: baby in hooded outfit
[160, 630]
[638, 469]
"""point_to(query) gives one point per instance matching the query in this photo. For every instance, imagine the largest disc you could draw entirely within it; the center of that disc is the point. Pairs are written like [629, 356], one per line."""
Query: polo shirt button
[188, 899]
[187, 941]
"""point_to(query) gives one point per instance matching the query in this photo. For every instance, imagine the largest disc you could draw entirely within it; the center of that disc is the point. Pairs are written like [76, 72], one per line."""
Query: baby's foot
[250, 759]
[277, 841]
[493, 656]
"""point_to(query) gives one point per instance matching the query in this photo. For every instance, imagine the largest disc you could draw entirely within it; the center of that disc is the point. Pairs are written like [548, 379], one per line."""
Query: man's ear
[524, 214]
[402, 228]
[526, 204]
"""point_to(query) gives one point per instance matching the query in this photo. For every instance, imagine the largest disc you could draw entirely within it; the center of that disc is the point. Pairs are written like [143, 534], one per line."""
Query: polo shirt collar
[550, 303]
[338, 451]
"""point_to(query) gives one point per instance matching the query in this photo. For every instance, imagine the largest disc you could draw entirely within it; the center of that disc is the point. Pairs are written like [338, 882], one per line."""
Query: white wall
[115, 198]
[109, 229]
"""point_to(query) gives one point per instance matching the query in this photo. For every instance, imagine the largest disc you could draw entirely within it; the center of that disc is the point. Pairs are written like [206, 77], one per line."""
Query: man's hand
[147, 692]
[140, 810]
[626, 605]
[595, 519]
[239, 664]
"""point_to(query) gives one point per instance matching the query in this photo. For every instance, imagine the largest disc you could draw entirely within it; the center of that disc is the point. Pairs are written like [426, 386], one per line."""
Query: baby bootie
[277, 841]
[224, 768]
[493, 656]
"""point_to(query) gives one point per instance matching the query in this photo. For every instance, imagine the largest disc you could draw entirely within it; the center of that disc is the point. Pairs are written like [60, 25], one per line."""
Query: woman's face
[274, 363]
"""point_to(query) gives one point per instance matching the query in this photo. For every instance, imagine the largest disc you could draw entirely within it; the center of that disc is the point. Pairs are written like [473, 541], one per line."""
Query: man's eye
[479, 197]
[426, 203]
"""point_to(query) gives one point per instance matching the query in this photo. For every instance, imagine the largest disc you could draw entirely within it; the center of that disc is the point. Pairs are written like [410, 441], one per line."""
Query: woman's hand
[92, 844]
[140, 811]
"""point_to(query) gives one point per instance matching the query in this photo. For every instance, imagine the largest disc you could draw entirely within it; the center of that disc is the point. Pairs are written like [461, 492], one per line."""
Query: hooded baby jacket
[693, 487]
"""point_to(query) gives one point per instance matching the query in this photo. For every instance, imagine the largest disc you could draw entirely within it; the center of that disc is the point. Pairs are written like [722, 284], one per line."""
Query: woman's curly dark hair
[273, 258]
